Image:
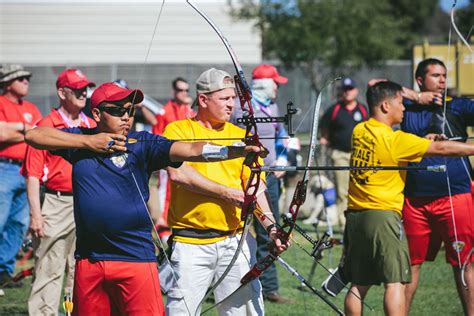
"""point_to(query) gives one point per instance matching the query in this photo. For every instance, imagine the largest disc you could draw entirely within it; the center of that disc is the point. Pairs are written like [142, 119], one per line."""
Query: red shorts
[428, 221]
[117, 288]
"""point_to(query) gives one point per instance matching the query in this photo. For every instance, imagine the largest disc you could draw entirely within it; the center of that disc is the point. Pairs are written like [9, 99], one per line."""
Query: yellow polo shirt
[376, 144]
[188, 209]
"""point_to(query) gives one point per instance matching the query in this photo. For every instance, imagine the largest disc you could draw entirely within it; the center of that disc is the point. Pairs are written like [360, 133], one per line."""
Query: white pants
[200, 266]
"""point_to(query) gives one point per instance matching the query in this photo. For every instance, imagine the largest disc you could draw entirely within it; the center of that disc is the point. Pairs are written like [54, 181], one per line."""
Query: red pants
[117, 288]
[428, 221]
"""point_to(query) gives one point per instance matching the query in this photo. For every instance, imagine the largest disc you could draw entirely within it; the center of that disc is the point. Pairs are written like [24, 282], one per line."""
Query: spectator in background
[336, 129]
[16, 117]
[264, 86]
[178, 108]
[175, 109]
[52, 225]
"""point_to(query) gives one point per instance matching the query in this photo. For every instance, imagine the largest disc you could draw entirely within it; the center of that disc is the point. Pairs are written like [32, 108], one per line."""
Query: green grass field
[436, 294]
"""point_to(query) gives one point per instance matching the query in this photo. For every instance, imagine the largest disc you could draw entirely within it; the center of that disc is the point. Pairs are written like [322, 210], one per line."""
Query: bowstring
[243, 84]
[150, 45]
[158, 242]
[329, 228]
[443, 129]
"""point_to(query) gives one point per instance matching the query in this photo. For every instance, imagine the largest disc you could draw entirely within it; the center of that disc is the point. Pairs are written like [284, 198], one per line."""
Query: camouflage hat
[214, 80]
[12, 71]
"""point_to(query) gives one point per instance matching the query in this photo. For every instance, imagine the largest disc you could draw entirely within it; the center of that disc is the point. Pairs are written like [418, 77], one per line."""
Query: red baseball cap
[112, 91]
[266, 71]
[74, 79]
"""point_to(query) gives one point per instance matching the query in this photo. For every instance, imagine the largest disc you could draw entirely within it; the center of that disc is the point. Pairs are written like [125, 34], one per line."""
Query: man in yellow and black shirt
[204, 212]
[375, 244]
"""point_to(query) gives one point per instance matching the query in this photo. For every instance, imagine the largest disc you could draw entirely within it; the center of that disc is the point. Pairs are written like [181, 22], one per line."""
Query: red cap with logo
[266, 71]
[74, 79]
[112, 91]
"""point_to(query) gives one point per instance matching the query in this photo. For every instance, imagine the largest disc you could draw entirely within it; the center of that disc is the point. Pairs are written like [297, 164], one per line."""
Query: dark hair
[175, 81]
[422, 67]
[380, 92]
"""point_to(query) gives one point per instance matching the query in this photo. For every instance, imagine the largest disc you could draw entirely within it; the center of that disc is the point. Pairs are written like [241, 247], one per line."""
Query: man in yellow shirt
[205, 214]
[375, 244]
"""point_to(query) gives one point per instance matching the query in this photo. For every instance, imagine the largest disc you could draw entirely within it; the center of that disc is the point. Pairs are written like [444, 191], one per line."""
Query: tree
[336, 33]
[465, 20]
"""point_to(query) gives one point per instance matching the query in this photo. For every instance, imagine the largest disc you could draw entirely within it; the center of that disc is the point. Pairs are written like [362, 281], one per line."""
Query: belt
[58, 193]
[201, 233]
[17, 162]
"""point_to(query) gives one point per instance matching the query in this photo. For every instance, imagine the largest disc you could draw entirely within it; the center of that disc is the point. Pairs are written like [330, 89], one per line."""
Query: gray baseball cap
[213, 80]
[9, 72]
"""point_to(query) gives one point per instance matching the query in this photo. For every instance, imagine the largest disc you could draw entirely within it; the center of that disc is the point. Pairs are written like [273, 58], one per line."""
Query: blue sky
[447, 4]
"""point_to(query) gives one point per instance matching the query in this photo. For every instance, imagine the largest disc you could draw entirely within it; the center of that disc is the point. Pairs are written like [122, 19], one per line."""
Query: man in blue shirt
[438, 206]
[115, 255]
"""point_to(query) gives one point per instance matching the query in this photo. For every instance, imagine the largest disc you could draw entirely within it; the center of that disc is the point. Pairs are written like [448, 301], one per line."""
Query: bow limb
[251, 138]
[299, 198]
[19, 276]
[299, 195]
[445, 126]
[158, 242]
[453, 23]
[295, 273]
[318, 293]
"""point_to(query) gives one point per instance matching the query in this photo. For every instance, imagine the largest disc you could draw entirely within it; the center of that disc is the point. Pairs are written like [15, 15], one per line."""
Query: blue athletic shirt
[421, 120]
[112, 222]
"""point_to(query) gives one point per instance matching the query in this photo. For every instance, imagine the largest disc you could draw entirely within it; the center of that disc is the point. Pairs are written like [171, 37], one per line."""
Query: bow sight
[287, 119]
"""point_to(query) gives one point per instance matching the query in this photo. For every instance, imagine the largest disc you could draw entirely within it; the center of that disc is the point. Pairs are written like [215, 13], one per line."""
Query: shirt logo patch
[458, 245]
[28, 117]
[357, 117]
[119, 160]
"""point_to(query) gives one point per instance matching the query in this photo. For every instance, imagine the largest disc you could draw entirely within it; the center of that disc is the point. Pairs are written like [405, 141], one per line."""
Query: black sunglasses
[118, 111]
[182, 90]
[23, 78]
[77, 92]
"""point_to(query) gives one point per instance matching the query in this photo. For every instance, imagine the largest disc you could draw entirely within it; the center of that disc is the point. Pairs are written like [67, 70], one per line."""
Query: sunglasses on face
[27, 78]
[118, 111]
[77, 92]
[181, 90]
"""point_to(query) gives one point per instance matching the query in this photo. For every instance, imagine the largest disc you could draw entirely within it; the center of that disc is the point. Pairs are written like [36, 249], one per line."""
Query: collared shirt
[52, 170]
[112, 221]
[421, 120]
[25, 112]
[189, 209]
[171, 112]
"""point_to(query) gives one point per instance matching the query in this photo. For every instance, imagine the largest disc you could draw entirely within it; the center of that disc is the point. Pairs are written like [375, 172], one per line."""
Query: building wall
[65, 32]
[109, 39]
